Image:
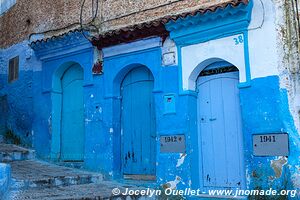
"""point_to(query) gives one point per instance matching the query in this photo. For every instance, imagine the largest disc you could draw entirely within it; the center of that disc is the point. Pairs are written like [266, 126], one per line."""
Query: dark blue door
[72, 123]
[138, 123]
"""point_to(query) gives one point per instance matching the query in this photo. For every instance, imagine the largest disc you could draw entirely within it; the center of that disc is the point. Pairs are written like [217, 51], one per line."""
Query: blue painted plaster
[209, 26]
[265, 110]
[5, 179]
[19, 93]
[56, 57]
[197, 29]
[165, 82]
[212, 25]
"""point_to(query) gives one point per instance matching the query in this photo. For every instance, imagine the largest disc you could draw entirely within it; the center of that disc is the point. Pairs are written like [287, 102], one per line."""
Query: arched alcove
[211, 62]
[67, 113]
[134, 119]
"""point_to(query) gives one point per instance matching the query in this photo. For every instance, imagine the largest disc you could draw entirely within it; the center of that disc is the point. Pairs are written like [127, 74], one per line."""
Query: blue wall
[265, 110]
[264, 104]
[5, 179]
[33, 107]
[19, 93]
[56, 58]
[165, 82]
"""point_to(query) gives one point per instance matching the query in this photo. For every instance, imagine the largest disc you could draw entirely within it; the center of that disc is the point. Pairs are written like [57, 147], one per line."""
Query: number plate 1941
[271, 145]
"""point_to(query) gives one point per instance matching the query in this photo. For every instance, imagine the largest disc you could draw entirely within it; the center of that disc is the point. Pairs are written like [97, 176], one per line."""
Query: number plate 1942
[271, 145]
[172, 144]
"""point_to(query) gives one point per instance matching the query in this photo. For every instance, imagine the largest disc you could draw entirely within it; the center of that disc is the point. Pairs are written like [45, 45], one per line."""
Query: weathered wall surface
[27, 17]
[266, 104]
[120, 13]
[287, 45]
[19, 92]
[56, 17]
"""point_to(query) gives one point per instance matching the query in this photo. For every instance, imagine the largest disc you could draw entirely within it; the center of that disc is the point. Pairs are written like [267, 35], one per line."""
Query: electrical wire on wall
[90, 24]
[83, 27]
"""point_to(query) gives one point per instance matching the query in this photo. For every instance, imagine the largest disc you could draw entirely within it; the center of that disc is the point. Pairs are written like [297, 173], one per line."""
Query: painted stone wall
[171, 168]
[287, 27]
[55, 58]
[5, 179]
[266, 104]
[19, 93]
[265, 110]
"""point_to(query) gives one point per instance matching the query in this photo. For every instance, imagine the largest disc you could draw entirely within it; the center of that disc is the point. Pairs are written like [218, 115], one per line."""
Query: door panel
[138, 123]
[72, 131]
[220, 134]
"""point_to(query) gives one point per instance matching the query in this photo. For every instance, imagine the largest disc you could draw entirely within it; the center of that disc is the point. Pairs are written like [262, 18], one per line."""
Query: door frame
[135, 176]
[56, 109]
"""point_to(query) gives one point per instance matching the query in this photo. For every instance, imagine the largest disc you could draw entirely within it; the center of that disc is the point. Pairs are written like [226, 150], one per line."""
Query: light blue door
[138, 123]
[220, 131]
[72, 122]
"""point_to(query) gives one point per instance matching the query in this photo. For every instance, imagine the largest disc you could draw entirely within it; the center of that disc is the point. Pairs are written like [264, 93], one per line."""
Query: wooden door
[138, 123]
[220, 130]
[72, 123]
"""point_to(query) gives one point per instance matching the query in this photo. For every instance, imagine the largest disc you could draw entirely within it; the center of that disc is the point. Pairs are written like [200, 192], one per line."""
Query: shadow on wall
[11, 138]
[16, 110]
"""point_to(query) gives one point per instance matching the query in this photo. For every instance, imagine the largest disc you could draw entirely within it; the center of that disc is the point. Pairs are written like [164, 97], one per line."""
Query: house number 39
[238, 40]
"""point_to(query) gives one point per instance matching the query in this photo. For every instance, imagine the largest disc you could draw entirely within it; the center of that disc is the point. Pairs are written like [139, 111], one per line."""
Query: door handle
[212, 119]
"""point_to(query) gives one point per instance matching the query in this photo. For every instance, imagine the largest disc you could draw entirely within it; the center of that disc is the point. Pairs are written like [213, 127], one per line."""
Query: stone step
[77, 165]
[11, 152]
[93, 191]
[38, 174]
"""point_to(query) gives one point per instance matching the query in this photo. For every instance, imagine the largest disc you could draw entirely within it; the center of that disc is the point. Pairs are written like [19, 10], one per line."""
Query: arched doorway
[220, 127]
[138, 131]
[72, 116]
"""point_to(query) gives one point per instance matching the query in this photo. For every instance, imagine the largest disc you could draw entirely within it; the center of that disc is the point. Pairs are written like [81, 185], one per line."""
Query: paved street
[33, 179]
[84, 191]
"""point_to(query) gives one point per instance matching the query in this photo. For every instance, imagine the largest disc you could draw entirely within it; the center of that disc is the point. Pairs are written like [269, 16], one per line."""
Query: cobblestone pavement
[33, 179]
[38, 180]
[33, 173]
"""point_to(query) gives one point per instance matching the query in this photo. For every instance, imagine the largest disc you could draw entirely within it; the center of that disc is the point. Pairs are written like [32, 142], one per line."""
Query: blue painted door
[72, 123]
[138, 123]
[220, 131]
